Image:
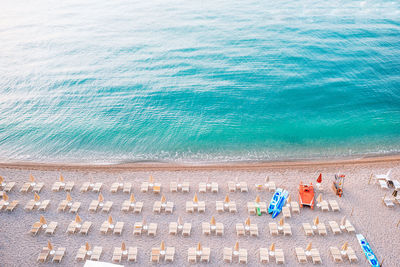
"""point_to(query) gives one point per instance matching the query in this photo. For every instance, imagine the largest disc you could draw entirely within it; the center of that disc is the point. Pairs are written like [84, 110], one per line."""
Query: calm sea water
[116, 81]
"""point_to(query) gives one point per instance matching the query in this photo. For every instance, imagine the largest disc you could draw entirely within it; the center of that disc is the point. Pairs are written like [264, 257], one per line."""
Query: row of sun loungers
[208, 228]
[126, 187]
[320, 227]
[200, 254]
[227, 205]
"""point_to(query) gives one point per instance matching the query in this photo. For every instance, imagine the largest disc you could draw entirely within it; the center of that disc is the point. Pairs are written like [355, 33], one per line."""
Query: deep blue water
[115, 81]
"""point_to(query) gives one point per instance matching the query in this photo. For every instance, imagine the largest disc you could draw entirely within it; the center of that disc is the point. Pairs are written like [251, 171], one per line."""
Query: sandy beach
[370, 217]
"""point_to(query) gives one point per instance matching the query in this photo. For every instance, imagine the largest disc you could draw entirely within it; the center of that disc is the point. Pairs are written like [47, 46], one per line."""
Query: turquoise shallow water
[116, 81]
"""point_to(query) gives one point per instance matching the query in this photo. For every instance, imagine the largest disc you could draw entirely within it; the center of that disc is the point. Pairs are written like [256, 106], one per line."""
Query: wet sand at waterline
[361, 203]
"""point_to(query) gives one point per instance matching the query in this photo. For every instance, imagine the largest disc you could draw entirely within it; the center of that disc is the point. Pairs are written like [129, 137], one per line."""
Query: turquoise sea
[198, 81]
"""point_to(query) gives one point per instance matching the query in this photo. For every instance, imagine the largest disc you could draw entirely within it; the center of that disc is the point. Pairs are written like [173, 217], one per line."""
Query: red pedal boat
[306, 195]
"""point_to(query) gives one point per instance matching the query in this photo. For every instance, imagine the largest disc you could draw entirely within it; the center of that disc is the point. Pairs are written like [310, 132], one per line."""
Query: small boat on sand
[306, 195]
[373, 261]
[274, 200]
[280, 204]
[277, 202]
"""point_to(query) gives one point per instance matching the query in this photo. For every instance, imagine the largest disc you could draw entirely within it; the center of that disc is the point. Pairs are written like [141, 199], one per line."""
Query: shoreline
[170, 166]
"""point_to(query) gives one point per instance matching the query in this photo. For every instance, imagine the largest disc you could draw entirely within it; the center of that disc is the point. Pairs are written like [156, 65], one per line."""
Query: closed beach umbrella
[343, 221]
[212, 220]
[87, 246]
[123, 246]
[61, 178]
[31, 178]
[195, 199]
[257, 199]
[5, 197]
[101, 198]
[267, 179]
[110, 220]
[316, 220]
[247, 222]
[36, 197]
[69, 198]
[49, 245]
[199, 247]
[319, 180]
[236, 248]
[289, 199]
[42, 220]
[78, 219]
[163, 199]
[162, 246]
[281, 222]
[272, 247]
[1, 179]
[345, 245]
[227, 199]
[309, 246]
[319, 198]
[180, 221]
[151, 179]
[132, 198]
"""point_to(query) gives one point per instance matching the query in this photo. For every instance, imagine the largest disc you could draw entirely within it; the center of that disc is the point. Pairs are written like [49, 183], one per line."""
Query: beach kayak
[280, 204]
[367, 251]
[274, 200]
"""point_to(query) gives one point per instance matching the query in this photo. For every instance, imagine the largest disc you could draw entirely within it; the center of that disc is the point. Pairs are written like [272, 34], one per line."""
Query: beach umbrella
[110, 220]
[123, 246]
[226, 200]
[199, 247]
[78, 219]
[316, 220]
[267, 179]
[212, 220]
[36, 197]
[87, 246]
[31, 178]
[132, 198]
[272, 247]
[42, 220]
[343, 220]
[319, 198]
[309, 246]
[49, 245]
[1, 179]
[61, 178]
[162, 246]
[281, 222]
[247, 222]
[236, 248]
[5, 197]
[151, 179]
[101, 198]
[163, 199]
[69, 198]
[195, 199]
[180, 221]
[319, 180]
[257, 199]
[345, 245]
[289, 199]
